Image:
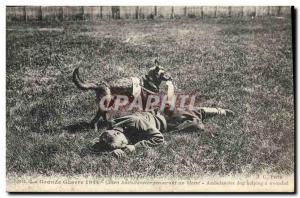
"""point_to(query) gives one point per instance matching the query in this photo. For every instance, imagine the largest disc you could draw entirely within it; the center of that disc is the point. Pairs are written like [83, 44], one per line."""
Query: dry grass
[241, 64]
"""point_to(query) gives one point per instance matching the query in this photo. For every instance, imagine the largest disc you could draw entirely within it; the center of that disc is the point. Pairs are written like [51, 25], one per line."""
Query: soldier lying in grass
[144, 129]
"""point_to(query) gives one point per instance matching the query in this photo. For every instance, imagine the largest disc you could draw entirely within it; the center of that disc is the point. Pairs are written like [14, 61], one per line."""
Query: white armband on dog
[170, 92]
[136, 86]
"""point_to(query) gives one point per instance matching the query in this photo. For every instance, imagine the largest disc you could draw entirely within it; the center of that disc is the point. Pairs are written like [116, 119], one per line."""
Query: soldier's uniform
[142, 128]
[192, 119]
[145, 128]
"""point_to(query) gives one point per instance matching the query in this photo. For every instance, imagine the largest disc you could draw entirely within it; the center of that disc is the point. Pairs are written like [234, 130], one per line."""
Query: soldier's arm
[153, 137]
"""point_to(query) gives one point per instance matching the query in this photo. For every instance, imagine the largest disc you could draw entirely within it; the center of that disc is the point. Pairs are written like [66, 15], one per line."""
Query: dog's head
[157, 73]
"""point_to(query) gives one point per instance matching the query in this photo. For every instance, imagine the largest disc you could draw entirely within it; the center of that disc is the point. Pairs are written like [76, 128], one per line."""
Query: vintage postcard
[149, 99]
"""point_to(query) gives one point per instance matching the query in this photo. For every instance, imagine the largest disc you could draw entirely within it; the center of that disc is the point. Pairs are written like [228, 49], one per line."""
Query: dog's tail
[83, 85]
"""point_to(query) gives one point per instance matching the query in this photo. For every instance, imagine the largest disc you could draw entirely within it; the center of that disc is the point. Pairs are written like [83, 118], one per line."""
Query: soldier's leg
[195, 124]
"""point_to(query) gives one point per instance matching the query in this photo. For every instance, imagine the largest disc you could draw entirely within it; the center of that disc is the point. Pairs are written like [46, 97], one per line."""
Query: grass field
[241, 64]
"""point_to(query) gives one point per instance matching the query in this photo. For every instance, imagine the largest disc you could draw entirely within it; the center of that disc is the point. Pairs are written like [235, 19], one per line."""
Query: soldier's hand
[118, 153]
[129, 148]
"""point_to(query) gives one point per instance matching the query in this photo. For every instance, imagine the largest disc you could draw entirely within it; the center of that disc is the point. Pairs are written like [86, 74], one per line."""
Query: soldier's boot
[208, 112]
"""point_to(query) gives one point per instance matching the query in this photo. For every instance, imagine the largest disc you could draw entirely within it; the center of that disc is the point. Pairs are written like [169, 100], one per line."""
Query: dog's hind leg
[103, 92]
[101, 113]
[95, 120]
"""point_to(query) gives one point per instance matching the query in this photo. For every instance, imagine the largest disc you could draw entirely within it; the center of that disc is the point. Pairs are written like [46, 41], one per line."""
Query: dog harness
[137, 88]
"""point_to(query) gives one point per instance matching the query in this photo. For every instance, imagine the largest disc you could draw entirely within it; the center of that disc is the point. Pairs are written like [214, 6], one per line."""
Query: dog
[130, 87]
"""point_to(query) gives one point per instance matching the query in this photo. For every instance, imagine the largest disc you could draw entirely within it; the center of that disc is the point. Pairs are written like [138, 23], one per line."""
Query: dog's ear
[157, 68]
